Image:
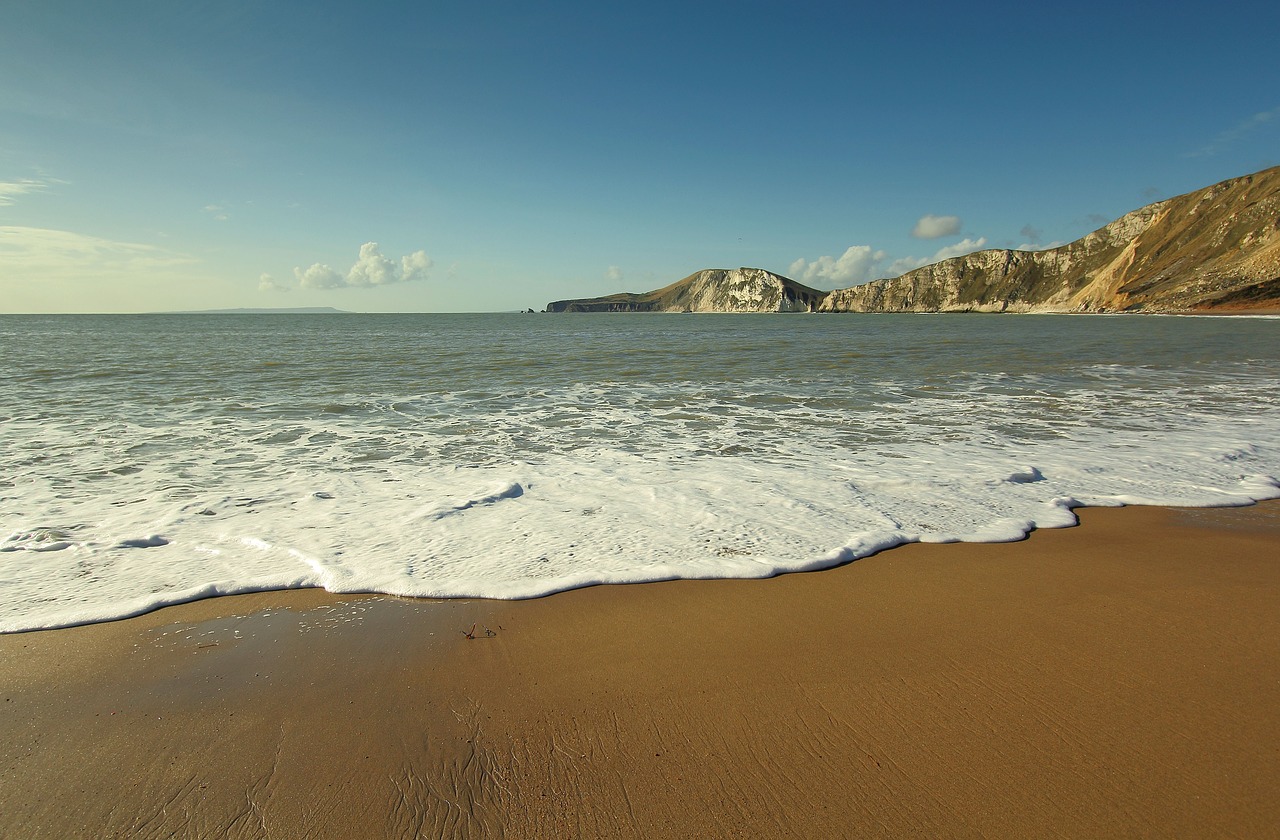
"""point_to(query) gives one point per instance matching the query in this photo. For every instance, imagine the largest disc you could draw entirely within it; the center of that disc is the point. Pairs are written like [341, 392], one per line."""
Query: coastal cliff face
[710, 290]
[1213, 249]
[1216, 248]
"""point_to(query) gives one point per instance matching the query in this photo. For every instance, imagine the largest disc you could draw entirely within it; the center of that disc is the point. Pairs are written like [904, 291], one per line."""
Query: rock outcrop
[710, 290]
[1213, 249]
[1218, 247]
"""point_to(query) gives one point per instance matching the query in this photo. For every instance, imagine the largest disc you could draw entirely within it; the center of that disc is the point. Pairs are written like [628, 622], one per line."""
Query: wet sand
[1120, 679]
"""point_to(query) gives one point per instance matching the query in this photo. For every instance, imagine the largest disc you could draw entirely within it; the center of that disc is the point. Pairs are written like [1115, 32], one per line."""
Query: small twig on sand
[470, 634]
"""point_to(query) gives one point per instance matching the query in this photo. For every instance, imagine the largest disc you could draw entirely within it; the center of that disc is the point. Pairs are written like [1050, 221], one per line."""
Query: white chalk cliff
[1217, 248]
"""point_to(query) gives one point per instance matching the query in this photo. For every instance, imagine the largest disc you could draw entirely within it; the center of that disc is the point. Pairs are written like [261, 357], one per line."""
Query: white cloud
[267, 283]
[930, 226]
[964, 246]
[1237, 132]
[11, 190]
[40, 253]
[856, 265]
[415, 266]
[372, 268]
[613, 274]
[319, 277]
[959, 249]
[861, 264]
[904, 264]
[43, 270]
[1036, 246]
[217, 211]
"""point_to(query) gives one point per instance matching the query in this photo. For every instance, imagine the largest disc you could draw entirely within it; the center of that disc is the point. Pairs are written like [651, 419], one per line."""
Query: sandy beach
[1119, 679]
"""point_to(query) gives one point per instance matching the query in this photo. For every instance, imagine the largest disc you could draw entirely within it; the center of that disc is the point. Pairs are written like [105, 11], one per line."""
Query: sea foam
[516, 487]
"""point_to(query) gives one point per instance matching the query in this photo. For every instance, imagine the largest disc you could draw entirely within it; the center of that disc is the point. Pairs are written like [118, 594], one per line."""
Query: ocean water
[148, 460]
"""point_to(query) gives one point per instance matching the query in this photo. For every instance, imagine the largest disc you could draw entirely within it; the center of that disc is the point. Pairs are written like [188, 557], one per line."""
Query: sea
[147, 460]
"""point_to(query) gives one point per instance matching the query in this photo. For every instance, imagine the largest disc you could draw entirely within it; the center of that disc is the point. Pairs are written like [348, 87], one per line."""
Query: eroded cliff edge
[709, 290]
[1217, 248]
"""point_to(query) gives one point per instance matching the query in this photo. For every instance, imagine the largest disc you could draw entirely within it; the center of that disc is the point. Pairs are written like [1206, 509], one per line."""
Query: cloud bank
[372, 268]
[47, 270]
[965, 246]
[10, 191]
[862, 264]
[40, 253]
[856, 265]
[1031, 240]
[930, 226]
[267, 283]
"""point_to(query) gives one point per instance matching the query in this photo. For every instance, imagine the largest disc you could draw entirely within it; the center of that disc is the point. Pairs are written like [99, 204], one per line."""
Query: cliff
[1217, 248]
[710, 290]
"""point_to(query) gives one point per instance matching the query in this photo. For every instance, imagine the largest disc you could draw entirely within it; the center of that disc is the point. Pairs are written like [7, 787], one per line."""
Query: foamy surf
[596, 469]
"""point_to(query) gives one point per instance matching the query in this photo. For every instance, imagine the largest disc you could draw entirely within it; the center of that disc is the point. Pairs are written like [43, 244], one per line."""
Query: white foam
[517, 492]
[596, 515]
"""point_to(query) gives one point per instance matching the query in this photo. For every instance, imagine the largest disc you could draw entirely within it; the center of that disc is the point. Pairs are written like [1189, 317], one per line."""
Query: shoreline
[1113, 679]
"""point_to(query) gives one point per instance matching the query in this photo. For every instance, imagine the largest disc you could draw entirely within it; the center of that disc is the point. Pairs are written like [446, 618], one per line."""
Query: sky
[441, 156]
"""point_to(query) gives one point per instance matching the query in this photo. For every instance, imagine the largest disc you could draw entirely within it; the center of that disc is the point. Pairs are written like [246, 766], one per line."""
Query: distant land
[300, 310]
[1213, 250]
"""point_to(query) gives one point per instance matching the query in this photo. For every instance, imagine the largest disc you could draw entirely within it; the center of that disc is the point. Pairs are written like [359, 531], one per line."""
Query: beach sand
[1120, 679]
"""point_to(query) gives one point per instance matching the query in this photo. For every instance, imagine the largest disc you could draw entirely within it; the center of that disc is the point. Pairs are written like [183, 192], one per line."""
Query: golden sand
[1121, 679]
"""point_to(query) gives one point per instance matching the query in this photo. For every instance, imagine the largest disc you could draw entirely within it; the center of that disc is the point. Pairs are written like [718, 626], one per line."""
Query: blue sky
[450, 156]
